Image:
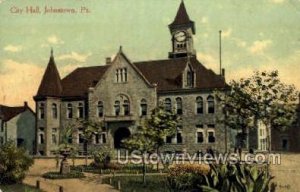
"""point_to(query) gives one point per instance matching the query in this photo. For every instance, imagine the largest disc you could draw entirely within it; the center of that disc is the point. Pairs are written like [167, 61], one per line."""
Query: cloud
[258, 47]
[226, 33]
[65, 70]
[13, 48]
[209, 60]
[19, 82]
[53, 39]
[74, 56]
[277, 1]
[288, 68]
[204, 20]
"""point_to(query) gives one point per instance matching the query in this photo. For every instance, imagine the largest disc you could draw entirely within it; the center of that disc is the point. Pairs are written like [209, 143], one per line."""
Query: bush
[186, 177]
[102, 157]
[14, 162]
[57, 175]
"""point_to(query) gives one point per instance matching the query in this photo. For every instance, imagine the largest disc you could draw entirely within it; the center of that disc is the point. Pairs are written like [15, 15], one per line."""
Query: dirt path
[92, 182]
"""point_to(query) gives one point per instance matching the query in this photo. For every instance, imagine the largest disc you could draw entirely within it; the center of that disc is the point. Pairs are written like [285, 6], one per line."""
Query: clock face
[180, 36]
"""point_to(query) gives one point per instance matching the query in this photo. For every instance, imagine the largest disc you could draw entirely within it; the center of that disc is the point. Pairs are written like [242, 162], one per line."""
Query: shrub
[186, 177]
[236, 177]
[102, 157]
[14, 162]
[57, 175]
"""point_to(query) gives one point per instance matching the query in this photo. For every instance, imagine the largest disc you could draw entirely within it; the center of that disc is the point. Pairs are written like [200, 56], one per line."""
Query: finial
[51, 52]
[120, 50]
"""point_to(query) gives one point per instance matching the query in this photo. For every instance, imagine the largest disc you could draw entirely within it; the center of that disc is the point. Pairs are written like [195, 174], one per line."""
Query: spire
[51, 82]
[182, 18]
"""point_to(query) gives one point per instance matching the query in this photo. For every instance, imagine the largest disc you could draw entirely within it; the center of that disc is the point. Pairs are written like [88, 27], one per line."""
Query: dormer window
[121, 75]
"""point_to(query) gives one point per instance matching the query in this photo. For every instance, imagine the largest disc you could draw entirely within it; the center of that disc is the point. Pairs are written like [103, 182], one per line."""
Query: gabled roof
[7, 113]
[51, 82]
[168, 74]
[182, 18]
[76, 84]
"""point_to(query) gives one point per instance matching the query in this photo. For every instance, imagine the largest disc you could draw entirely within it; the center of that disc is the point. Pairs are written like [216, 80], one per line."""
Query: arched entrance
[120, 134]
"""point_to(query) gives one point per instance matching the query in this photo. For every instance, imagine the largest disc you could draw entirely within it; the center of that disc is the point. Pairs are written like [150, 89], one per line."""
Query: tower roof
[51, 82]
[182, 18]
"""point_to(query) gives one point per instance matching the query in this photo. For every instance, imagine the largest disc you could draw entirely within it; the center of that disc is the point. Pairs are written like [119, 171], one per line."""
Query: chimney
[25, 104]
[108, 60]
[223, 72]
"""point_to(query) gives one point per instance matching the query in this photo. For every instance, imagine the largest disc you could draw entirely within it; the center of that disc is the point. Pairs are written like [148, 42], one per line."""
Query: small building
[18, 124]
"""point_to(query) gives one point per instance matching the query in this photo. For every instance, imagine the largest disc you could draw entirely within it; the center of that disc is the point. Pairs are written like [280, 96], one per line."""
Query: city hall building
[122, 94]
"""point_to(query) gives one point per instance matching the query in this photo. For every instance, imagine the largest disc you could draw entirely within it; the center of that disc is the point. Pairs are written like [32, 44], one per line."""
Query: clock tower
[182, 30]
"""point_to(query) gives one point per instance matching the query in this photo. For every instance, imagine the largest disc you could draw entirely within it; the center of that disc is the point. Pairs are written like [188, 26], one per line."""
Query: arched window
[178, 105]
[80, 110]
[100, 109]
[210, 104]
[54, 111]
[117, 108]
[190, 79]
[69, 111]
[126, 106]
[144, 107]
[168, 105]
[42, 111]
[199, 105]
[125, 74]
[41, 138]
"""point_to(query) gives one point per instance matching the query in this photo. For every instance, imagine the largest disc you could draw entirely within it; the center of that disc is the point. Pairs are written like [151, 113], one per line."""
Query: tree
[162, 124]
[260, 98]
[14, 162]
[89, 130]
[142, 141]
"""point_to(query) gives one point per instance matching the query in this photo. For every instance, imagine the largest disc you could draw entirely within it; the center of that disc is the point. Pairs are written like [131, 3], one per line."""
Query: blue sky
[257, 35]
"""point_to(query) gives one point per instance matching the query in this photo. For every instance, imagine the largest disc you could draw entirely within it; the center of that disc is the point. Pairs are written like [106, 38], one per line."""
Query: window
[143, 107]
[1, 140]
[284, 144]
[178, 105]
[54, 135]
[168, 105]
[210, 104]
[42, 111]
[81, 138]
[121, 75]
[80, 110]
[199, 125]
[169, 139]
[54, 139]
[100, 138]
[179, 137]
[2, 126]
[200, 137]
[211, 126]
[211, 137]
[69, 111]
[41, 138]
[54, 111]
[100, 109]
[117, 108]
[199, 105]
[126, 107]
[190, 79]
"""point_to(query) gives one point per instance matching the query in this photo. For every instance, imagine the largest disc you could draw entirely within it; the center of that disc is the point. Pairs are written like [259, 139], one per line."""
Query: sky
[256, 35]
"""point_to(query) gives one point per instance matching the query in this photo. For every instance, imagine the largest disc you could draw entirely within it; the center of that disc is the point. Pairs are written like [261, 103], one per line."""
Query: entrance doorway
[120, 134]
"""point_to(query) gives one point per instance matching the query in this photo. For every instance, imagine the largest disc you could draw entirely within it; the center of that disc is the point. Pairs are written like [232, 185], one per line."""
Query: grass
[18, 188]
[57, 175]
[155, 183]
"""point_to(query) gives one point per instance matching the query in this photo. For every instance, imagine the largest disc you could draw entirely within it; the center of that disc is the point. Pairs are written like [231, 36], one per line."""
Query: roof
[51, 82]
[182, 17]
[76, 84]
[7, 113]
[167, 74]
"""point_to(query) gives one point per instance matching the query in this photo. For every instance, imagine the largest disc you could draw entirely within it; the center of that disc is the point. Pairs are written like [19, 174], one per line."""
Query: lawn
[155, 183]
[18, 188]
